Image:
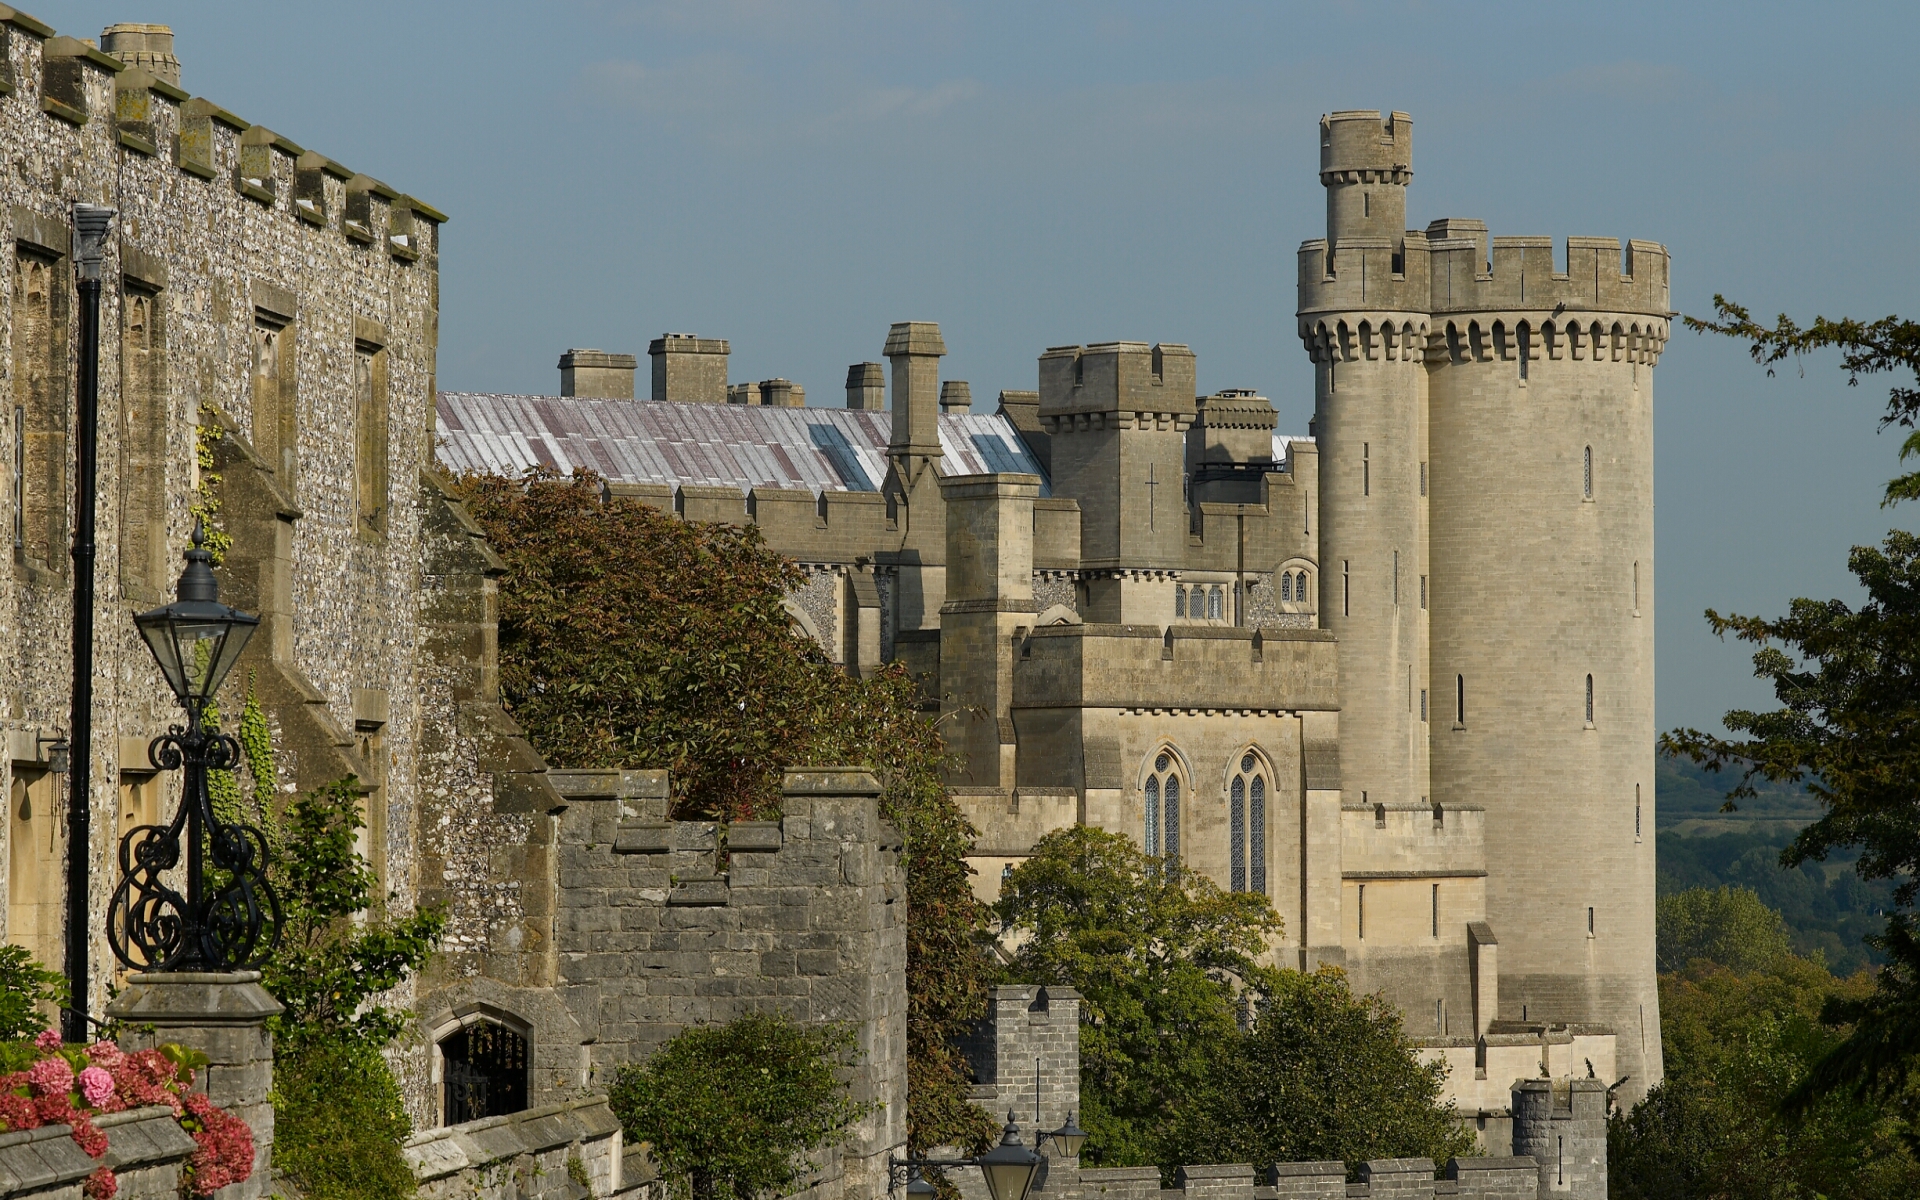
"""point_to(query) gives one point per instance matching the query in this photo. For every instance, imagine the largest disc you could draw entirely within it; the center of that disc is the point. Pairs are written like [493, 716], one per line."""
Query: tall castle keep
[1486, 425]
[1397, 675]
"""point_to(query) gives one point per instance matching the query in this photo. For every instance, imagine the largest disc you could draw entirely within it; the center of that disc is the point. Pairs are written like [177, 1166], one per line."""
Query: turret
[1365, 165]
[1118, 413]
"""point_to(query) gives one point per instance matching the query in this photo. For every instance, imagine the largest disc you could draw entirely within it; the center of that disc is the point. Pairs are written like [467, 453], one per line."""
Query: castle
[1397, 675]
[1134, 607]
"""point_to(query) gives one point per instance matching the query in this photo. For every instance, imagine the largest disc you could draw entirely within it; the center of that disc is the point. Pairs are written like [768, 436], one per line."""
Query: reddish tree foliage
[630, 638]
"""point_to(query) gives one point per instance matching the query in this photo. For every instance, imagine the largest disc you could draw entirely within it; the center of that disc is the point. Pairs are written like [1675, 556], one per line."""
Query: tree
[1192, 1051]
[1848, 682]
[1728, 925]
[1737, 1042]
[630, 638]
[735, 1111]
[1322, 1074]
[1158, 955]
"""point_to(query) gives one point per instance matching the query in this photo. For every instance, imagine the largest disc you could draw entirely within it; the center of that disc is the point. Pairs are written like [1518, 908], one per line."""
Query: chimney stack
[915, 349]
[956, 397]
[149, 47]
[866, 386]
[689, 369]
[597, 375]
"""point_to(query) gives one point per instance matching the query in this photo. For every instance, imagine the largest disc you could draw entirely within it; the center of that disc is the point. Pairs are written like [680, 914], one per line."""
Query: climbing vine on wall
[205, 506]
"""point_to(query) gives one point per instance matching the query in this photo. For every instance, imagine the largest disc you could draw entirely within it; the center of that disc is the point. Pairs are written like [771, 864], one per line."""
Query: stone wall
[250, 287]
[660, 925]
[561, 1151]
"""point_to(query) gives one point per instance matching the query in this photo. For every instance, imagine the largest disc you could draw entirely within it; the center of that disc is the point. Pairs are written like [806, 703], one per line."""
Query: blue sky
[795, 176]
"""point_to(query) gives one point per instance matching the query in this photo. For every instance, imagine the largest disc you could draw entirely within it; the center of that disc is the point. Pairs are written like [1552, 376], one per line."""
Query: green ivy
[205, 507]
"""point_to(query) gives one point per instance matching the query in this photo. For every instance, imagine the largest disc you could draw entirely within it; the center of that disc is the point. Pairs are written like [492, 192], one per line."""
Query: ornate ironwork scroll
[229, 917]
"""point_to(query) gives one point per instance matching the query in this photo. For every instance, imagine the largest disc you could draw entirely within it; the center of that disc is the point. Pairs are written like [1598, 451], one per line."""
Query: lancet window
[1247, 826]
[1162, 788]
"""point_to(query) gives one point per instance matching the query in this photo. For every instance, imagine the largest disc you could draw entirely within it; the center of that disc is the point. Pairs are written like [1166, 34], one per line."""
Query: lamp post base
[224, 1016]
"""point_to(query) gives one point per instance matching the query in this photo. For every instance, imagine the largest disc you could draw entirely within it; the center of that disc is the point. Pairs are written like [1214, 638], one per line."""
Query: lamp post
[90, 225]
[229, 917]
[1008, 1168]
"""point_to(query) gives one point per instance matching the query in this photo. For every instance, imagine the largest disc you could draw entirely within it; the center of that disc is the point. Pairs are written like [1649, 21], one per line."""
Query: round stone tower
[1540, 423]
[1363, 319]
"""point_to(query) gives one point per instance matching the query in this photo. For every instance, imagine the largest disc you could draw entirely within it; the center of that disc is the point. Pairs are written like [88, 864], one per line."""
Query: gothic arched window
[1179, 602]
[1162, 789]
[1286, 587]
[484, 1067]
[1213, 604]
[1247, 826]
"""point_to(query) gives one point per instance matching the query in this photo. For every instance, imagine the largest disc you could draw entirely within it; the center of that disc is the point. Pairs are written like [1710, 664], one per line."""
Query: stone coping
[34, 1160]
[438, 1153]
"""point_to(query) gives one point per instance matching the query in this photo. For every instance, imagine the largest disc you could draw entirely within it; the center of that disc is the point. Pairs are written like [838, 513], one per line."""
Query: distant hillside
[1826, 906]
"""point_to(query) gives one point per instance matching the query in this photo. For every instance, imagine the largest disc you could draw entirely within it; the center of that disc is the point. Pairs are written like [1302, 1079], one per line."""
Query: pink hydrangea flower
[50, 1077]
[97, 1086]
[105, 1054]
[48, 1040]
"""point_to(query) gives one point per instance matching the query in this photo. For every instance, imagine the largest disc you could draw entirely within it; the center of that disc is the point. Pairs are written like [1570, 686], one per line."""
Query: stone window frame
[1178, 769]
[372, 432]
[143, 569]
[465, 1017]
[1246, 791]
[1305, 591]
[40, 509]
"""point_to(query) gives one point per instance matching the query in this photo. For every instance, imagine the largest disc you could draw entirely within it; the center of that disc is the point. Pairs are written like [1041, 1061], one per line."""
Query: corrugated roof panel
[648, 441]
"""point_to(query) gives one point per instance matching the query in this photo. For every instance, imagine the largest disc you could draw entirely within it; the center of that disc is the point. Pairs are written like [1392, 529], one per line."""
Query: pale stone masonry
[1397, 675]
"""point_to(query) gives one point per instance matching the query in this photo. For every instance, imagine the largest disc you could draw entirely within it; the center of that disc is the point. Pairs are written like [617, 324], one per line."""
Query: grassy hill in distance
[1827, 907]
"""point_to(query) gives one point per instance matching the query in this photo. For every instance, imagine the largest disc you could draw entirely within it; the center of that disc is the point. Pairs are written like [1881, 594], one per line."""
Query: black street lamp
[91, 223]
[1009, 1168]
[229, 917]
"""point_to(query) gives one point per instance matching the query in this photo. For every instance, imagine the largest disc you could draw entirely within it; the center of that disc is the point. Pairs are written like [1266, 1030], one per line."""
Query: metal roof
[745, 446]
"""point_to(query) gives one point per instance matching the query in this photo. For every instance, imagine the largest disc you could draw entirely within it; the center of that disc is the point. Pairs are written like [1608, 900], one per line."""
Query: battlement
[663, 924]
[1357, 142]
[83, 92]
[1447, 269]
[1151, 668]
[1129, 380]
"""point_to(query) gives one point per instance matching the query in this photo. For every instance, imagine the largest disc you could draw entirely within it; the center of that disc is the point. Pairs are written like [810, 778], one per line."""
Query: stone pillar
[989, 598]
[224, 1016]
[915, 349]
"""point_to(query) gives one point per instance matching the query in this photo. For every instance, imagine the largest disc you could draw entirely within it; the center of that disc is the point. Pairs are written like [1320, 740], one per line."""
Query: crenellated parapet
[142, 113]
[1447, 272]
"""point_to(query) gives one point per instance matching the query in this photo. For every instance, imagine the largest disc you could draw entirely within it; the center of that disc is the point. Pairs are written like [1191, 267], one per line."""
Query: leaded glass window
[1247, 826]
[1179, 602]
[1162, 814]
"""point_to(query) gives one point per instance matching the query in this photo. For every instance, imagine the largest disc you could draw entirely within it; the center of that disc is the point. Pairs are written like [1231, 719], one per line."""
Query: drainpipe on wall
[90, 225]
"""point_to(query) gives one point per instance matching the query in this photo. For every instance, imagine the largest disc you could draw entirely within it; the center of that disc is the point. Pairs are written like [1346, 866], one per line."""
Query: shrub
[736, 1110]
[25, 985]
[339, 1121]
